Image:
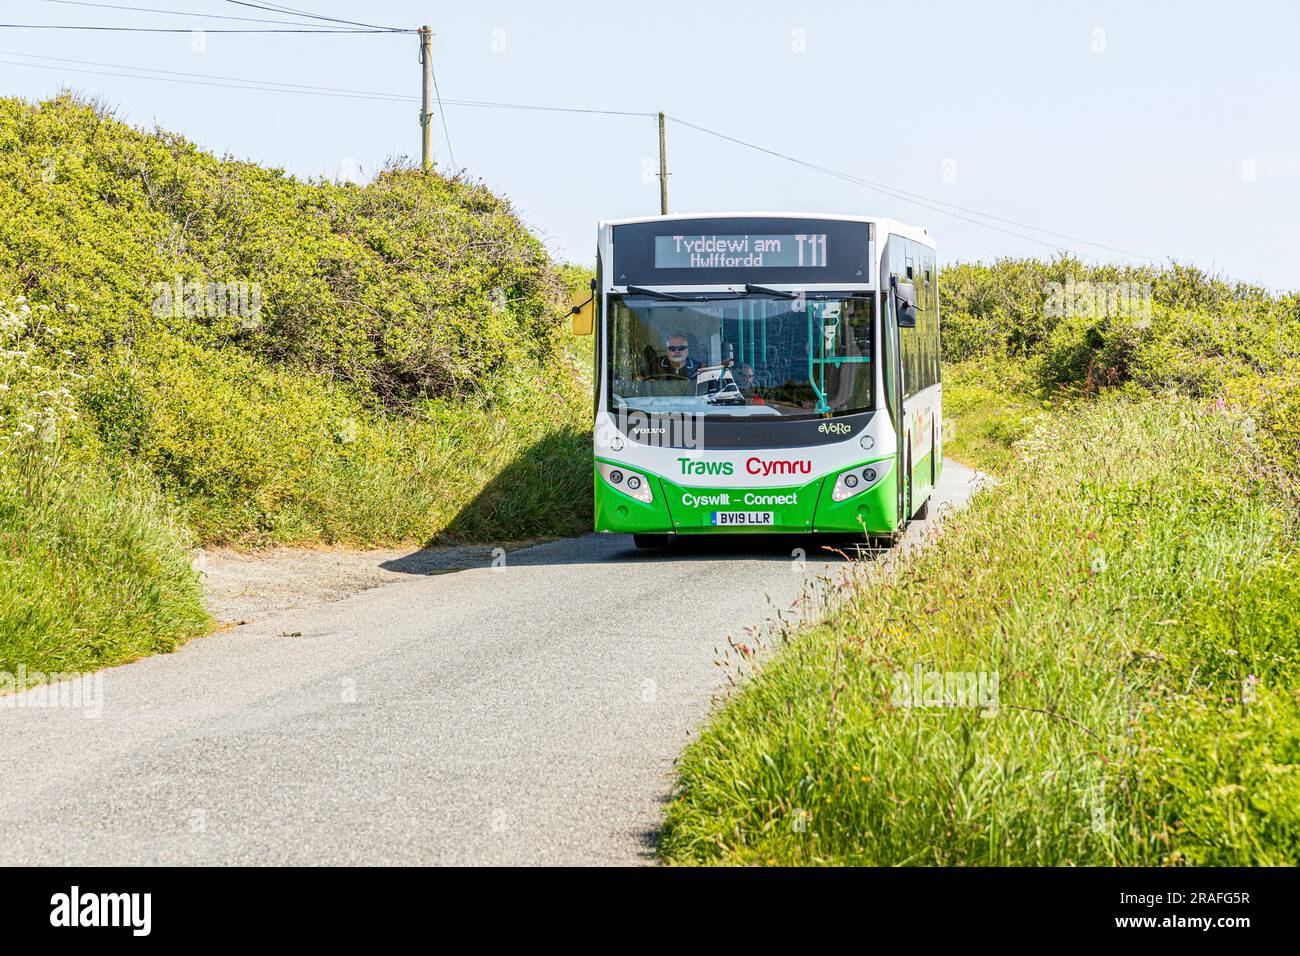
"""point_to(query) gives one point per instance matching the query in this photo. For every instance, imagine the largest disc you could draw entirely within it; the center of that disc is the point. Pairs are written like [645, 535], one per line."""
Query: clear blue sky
[1161, 127]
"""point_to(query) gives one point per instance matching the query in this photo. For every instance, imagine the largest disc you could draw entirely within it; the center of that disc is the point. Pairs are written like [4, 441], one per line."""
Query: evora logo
[103, 909]
[834, 428]
[757, 466]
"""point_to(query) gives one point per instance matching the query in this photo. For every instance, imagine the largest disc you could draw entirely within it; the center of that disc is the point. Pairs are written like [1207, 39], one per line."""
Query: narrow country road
[526, 714]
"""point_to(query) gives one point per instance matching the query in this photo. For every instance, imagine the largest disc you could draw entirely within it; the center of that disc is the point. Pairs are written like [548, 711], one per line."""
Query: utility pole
[426, 111]
[663, 170]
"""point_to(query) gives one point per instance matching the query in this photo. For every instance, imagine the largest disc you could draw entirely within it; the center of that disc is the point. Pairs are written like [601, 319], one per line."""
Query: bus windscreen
[741, 356]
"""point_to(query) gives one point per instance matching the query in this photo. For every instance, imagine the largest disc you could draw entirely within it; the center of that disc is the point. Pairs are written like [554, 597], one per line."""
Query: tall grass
[989, 404]
[92, 571]
[1130, 582]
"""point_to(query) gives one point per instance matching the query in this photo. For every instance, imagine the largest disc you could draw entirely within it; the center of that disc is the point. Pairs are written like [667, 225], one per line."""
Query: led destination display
[729, 250]
[795, 250]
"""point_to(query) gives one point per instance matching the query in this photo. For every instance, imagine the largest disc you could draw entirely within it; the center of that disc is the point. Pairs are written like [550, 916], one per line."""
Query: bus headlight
[867, 442]
[628, 482]
[858, 480]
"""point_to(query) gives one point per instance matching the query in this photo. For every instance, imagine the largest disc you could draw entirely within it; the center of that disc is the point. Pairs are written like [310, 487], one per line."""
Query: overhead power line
[176, 77]
[973, 216]
[64, 26]
[278, 8]
[274, 86]
[174, 13]
[935, 205]
[270, 86]
[278, 86]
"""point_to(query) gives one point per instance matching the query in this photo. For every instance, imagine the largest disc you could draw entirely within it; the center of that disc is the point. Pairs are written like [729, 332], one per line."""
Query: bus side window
[938, 336]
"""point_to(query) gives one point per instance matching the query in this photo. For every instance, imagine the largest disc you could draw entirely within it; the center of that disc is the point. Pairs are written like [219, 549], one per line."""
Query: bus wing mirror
[904, 303]
[582, 309]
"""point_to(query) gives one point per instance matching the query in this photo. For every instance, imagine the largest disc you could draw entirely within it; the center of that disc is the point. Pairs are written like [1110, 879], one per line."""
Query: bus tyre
[923, 512]
[652, 540]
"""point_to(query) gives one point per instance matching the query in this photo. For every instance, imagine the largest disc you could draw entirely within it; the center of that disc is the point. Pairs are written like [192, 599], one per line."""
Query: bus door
[892, 377]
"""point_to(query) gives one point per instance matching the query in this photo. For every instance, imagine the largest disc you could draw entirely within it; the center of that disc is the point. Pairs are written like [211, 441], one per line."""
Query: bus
[764, 373]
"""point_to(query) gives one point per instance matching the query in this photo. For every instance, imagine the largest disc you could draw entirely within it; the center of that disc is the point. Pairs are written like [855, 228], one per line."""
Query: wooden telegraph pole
[426, 110]
[663, 170]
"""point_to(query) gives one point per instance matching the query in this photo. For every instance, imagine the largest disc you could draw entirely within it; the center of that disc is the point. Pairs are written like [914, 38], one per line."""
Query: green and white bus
[764, 372]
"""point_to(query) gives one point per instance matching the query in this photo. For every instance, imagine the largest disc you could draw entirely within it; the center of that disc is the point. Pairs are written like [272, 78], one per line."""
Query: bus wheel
[652, 540]
[923, 512]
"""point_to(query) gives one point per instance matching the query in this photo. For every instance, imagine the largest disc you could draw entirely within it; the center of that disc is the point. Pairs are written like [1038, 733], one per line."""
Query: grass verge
[1095, 664]
[92, 571]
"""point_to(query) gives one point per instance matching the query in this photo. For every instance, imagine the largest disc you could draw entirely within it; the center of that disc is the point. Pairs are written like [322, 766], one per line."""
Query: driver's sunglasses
[677, 348]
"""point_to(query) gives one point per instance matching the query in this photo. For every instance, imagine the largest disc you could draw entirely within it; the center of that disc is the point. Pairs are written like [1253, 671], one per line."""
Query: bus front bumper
[811, 507]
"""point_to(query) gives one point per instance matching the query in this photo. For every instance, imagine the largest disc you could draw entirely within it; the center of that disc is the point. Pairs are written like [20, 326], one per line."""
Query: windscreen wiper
[782, 293]
[764, 290]
[639, 290]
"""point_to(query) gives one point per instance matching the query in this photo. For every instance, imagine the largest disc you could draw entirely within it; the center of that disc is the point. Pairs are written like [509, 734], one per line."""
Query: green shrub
[93, 570]
[395, 326]
[1180, 328]
[222, 353]
[257, 454]
[412, 286]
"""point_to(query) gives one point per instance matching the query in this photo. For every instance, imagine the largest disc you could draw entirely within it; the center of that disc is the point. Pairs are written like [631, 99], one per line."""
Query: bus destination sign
[725, 250]
[796, 250]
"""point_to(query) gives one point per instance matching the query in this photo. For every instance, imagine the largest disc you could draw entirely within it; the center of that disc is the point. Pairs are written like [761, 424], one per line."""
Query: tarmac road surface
[527, 714]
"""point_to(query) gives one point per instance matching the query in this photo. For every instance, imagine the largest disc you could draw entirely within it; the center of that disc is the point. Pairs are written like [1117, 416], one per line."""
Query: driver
[678, 361]
[746, 382]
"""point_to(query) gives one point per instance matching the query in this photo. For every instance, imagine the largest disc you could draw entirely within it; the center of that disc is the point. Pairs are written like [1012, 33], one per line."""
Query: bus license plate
[762, 519]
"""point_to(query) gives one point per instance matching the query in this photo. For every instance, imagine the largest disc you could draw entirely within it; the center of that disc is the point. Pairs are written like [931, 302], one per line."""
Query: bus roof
[886, 225]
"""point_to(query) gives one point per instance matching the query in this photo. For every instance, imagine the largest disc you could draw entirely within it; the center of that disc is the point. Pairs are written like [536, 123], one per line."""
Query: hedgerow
[241, 356]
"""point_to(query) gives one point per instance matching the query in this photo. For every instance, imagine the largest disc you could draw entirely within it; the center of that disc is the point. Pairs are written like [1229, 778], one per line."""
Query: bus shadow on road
[620, 549]
[786, 547]
[607, 549]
